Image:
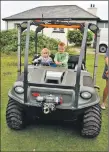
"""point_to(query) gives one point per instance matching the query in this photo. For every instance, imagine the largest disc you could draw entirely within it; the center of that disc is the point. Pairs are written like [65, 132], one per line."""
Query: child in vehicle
[61, 57]
[44, 58]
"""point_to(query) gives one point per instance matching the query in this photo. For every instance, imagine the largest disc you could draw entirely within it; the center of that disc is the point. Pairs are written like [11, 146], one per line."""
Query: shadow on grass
[56, 126]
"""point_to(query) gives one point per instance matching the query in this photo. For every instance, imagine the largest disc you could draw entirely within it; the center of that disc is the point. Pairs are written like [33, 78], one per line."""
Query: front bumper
[66, 105]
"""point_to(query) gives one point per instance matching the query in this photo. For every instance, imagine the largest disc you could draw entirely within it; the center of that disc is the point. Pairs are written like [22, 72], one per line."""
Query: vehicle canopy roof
[59, 24]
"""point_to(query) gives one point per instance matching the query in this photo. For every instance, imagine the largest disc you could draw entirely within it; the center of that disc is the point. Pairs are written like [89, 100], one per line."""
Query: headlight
[19, 89]
[86, 95]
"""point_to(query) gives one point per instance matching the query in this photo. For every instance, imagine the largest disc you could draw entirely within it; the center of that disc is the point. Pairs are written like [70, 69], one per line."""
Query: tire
[91, 124]
[14, 116]
[102, 48]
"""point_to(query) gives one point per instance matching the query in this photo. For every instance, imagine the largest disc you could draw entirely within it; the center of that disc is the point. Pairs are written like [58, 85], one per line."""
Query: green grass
[47, 137]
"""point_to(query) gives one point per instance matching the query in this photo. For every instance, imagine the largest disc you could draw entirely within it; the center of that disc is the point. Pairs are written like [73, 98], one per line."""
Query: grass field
[43, 137]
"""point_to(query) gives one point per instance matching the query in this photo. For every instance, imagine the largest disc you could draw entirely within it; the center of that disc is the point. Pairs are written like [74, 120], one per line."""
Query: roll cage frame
[60, 23]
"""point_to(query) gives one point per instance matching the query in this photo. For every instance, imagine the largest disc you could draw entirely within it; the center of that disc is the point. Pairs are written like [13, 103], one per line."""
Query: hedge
[76, 36]
[8, 42]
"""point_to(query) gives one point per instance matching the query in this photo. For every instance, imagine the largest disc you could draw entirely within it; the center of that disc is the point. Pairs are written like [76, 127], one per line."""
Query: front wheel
[91, 124]
[14, 116]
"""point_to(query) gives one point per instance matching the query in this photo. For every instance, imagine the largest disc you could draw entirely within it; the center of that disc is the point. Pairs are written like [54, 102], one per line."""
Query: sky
[9, 8]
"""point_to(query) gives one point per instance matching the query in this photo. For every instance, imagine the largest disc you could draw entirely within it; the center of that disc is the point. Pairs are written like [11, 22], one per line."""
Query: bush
[89, 36]
[8, 42]
[75, 36]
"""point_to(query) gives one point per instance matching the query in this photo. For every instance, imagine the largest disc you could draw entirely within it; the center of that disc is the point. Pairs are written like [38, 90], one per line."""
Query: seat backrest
[73, 62]
[52, 56]
[35, 57]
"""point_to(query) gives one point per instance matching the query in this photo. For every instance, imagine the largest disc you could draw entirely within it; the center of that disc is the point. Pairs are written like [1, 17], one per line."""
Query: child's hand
[58, 63]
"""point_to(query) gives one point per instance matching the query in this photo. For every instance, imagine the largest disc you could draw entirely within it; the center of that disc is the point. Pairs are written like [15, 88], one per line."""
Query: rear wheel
[14, 116]
[91, 124]
[102, 48]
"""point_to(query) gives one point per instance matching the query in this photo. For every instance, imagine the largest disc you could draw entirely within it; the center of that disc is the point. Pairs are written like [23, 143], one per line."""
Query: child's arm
[66, 59]
[56, 59]
[50, 59]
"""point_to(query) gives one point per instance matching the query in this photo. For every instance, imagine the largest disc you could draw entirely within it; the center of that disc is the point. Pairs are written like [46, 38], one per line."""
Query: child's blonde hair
[45, 49]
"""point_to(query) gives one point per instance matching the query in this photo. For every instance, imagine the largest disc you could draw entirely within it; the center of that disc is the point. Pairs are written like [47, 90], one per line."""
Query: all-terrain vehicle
[56, 93]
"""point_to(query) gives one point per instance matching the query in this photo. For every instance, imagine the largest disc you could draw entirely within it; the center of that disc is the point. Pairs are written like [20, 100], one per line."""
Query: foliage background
[75, 36]
[8, 42]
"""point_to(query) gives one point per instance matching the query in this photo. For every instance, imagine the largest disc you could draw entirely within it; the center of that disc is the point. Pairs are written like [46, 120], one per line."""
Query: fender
[104, 42]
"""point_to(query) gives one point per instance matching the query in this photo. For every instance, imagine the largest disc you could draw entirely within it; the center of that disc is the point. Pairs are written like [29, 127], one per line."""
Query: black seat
[36, 56]
[73, 62]
[52, 56]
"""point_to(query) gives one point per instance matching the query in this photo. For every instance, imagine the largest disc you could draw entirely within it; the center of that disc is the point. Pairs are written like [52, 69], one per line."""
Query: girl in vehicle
[44, 58]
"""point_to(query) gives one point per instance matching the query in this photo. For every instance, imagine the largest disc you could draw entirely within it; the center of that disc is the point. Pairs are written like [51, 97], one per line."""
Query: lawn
[43, 137]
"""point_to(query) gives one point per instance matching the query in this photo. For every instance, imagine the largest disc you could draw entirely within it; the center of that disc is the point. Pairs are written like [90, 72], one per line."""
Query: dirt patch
[14, 64]
[7, 73]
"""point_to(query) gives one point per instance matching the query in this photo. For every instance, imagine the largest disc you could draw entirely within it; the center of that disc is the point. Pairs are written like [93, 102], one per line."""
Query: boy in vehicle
[61, 57]
[44, 58]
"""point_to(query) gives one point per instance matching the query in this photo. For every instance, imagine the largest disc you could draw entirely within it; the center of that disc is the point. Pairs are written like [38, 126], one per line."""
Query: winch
[49, 102]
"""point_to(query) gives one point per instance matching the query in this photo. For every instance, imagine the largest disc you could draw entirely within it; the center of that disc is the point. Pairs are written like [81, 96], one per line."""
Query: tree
[75, 36]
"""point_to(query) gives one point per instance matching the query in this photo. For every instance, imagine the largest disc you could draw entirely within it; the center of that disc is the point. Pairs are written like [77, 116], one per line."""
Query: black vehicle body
[59, 93]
